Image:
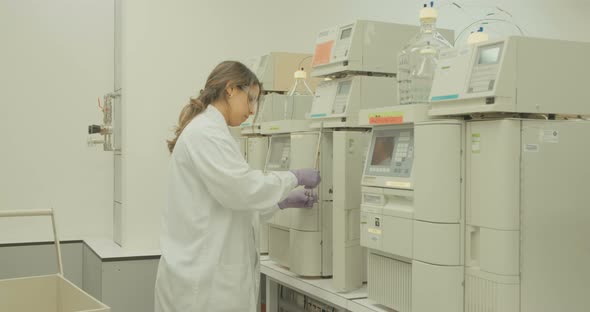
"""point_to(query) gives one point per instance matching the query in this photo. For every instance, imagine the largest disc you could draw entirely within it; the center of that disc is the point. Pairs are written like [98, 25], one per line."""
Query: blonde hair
[226, 74]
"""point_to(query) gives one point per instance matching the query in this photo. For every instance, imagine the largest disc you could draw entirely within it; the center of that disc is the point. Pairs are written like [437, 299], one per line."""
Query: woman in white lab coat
[209, 226]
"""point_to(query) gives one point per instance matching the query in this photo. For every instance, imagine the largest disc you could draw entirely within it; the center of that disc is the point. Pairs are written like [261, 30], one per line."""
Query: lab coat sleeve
[230, 180]
[266, 214]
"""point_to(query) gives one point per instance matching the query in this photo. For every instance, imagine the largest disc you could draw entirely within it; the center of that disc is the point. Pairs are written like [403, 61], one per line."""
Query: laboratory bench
[318, 288]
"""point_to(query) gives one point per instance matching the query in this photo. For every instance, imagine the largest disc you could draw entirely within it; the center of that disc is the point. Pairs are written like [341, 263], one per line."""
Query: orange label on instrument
[386, 120]
[322, 54]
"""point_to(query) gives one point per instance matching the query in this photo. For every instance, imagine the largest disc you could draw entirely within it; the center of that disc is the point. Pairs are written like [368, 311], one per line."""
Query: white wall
[56, 58]
[562, 19]
[169, 48]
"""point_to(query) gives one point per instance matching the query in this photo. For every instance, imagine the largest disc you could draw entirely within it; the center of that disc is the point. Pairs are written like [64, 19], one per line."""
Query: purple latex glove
[299, 198]
[310, 178]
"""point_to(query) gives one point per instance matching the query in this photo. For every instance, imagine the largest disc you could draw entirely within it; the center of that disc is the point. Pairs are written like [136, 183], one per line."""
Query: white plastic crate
[48, 293]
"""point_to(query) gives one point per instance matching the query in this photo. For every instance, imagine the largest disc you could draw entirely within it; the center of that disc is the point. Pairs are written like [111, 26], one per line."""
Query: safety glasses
[252, 98]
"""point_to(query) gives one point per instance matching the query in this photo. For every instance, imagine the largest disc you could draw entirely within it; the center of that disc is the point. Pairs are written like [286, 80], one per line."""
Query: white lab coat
[210, 260]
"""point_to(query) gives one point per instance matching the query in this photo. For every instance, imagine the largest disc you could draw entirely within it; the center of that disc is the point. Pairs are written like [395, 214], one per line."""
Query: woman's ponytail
[228, 73]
